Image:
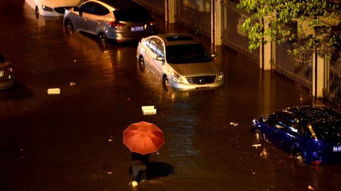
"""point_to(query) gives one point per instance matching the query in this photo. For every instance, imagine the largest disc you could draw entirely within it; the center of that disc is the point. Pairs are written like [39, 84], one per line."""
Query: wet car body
[6, 74]
[179, 61]
[310, 133]
[52, 7]
[120, 20]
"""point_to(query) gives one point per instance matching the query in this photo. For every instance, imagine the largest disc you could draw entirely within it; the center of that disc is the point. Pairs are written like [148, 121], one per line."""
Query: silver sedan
[179, 61]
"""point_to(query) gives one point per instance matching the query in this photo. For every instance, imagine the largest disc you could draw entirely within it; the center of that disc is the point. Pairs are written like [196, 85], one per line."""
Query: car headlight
[220, 76]
[179, 79]
[46, 8]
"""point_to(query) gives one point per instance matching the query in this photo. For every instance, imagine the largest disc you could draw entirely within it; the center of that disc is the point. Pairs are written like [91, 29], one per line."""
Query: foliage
[307, 24]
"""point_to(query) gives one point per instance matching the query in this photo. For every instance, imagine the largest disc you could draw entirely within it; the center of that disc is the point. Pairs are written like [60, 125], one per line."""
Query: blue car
[311, 134]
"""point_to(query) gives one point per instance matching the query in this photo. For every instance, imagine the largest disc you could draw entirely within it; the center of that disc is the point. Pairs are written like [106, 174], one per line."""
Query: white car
[52, 7]
[178, 61]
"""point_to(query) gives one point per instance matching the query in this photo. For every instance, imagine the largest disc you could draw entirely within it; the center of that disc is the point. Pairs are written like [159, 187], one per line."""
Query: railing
[333, 92]
[232, 35]
[288, 66]
[195, 15]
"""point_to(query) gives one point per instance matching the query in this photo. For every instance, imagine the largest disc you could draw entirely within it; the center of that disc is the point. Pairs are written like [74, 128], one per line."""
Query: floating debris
[311, 187]
[264, 153]
[53, 91]
[148, 110]
[134, 183]
[234, 124]
[72, 84]
[256, 145]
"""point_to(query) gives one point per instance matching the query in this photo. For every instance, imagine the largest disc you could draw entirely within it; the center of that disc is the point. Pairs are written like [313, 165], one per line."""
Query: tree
[307, 24]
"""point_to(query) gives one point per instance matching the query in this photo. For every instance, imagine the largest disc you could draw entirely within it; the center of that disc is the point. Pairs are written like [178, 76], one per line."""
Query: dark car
[6, 74]
[311, 134]
[120, 20]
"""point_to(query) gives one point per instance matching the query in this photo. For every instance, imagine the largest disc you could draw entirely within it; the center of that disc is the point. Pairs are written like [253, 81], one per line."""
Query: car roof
[177, 39]
[121, 4]
[315, 114]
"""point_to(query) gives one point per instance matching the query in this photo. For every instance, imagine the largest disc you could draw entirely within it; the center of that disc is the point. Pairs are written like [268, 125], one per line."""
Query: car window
[132, 15]
[152, 45]
[285, 121]
[101, 10]
[88, 7]
[187, 53]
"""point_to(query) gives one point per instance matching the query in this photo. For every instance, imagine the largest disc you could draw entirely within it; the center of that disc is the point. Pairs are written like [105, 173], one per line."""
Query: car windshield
[132, 15]
[330, 131]
[187, 53]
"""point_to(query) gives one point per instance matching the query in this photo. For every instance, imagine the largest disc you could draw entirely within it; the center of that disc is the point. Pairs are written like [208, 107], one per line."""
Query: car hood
[196, 69]
[61, 3]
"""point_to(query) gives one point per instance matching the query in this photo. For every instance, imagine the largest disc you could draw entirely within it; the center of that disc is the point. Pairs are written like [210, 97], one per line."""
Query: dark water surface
[73, 141]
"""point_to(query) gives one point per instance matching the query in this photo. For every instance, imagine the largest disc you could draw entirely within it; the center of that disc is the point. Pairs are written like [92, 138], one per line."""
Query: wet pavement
[73, 141]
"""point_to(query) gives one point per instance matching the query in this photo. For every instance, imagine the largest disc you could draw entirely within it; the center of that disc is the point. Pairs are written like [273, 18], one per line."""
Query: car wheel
[165, 82]
[141, 64]
[36, 11]
[102, 40]
[68, 27]
[258, 136]
[298, 155]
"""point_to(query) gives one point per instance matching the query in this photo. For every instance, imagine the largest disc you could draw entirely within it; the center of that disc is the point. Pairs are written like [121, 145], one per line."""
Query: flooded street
[73, 141]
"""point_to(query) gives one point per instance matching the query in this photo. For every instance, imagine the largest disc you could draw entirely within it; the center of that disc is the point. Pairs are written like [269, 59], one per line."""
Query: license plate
[337, 149]
[137, 28]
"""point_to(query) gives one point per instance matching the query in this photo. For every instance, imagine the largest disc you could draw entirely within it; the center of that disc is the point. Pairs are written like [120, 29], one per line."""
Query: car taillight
[116, 25]
[152, 23]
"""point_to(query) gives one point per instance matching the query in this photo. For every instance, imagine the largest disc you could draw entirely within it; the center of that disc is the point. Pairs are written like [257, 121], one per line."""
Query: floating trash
[134, 183]
[256, 145]
[72, 84]
[311, 187]
[148, 110]
[53, 91]
[234, 124]
[264, 153]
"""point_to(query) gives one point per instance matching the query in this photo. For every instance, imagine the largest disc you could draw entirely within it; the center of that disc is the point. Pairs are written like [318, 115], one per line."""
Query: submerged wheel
[165, 82]
[141, 64]
[258, 136]
[36, 11]
[68, 27]
[102, 40]
[297, 155]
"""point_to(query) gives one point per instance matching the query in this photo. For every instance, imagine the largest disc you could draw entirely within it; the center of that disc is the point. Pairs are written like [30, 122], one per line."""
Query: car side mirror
[160, 58]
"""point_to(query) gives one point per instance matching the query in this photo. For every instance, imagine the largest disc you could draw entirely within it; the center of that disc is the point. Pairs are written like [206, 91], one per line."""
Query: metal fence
[232, 35]
[195, 14]
[333, 92]
[287, 65]
[156, 6]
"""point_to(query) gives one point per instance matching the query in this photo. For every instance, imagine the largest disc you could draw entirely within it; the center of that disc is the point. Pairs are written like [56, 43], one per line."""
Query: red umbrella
[143, 137]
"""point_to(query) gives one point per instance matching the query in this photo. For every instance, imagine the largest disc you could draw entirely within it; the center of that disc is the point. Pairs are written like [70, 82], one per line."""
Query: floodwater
[73, 141]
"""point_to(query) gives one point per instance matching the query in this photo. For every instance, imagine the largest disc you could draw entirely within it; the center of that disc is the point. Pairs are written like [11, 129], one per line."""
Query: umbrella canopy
[143, 137]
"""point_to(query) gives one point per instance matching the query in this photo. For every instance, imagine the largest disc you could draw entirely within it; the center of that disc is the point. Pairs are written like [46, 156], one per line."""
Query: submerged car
[6, 74]
[120, 20]
[179, 61]
[52, 7]
[311, 134]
